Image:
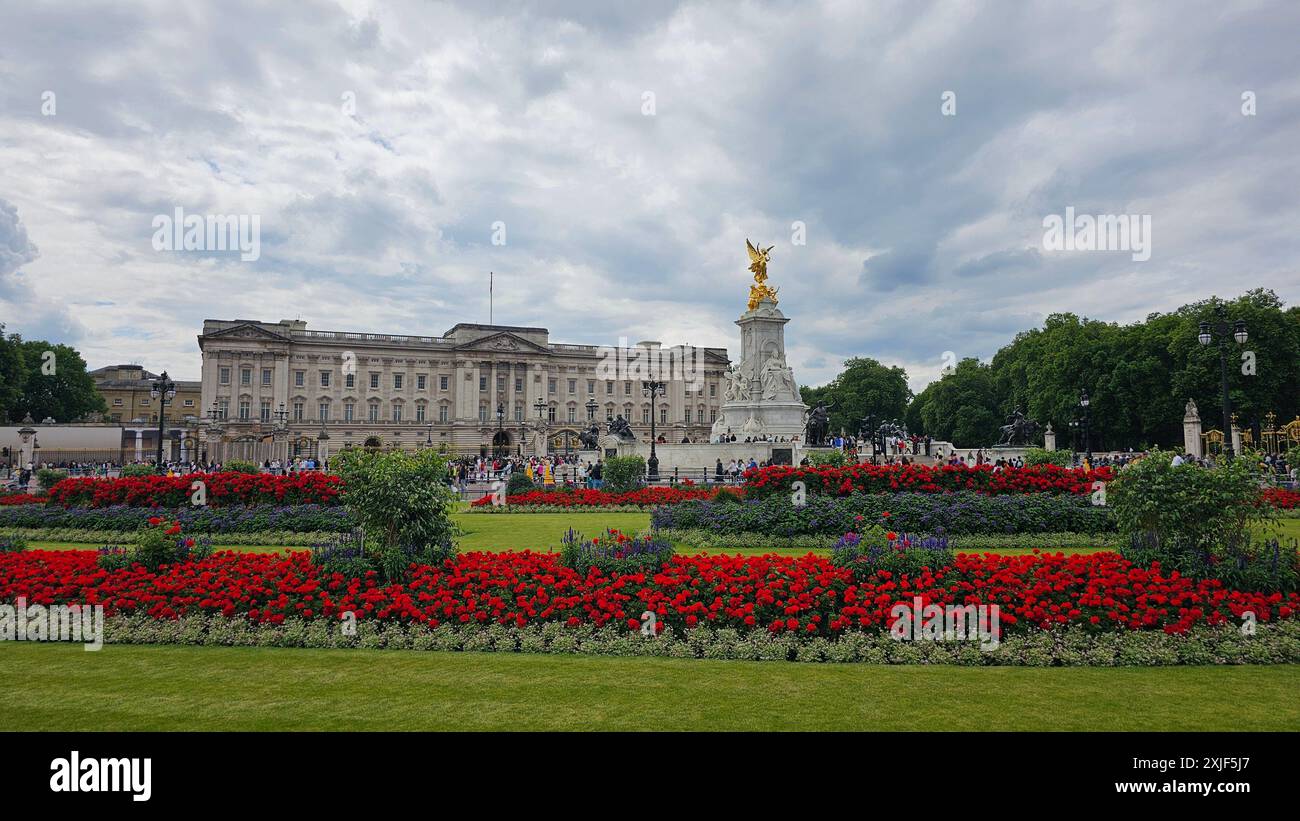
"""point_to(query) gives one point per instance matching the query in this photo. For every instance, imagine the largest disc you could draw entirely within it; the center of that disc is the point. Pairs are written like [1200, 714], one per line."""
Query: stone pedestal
[1192, 431]
[760, 395]
[1049, 438]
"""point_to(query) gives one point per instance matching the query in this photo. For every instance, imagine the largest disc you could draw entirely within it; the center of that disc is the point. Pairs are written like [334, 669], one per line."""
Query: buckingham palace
[273, 390]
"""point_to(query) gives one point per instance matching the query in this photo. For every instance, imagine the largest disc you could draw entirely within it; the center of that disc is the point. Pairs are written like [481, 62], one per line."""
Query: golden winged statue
[758, 259]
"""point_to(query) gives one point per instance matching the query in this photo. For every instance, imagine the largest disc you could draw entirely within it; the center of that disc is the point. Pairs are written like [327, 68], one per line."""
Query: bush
[402, 503]
[12, 544]
[48, 478]
[614, 553]
[519, 483]
[233, 519]
[237, 466]
[623, 474]
[1200, 521]
[902, 555]
[1040, 456]
[159, 542]
[832, 458]
[345, 555]
[137, 470]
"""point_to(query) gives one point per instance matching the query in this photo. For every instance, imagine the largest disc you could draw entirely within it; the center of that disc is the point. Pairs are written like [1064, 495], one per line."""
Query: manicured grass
[62, 687]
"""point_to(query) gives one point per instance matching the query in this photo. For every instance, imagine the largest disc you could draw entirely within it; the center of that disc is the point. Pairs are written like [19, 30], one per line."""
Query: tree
[865, 387]
[12, 375]
[963, 407]
[54, 383]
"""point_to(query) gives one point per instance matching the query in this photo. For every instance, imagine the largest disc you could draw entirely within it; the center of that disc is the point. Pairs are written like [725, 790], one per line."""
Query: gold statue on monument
[758, 259]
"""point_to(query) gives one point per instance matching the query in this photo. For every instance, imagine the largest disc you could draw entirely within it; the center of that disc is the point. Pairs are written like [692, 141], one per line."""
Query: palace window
[519, 384]
[397, 412]
[663, 416]
[324, 410]
[713, 415]
[264, 412]
[573, 414]
[442, 413]
[591, 386]
[609, 388]
[713, 389]
[243, 411]
[246, 376]
[573, 386]
[397, 381]
[373, 412]
[519, 412]
[225, 376]
[297, 411]
[324, 379]
[550, 414]
[350, 380]
[299, 378]
[501, 383]
[645, 416]
[420, 380]
[442, 383]
[419, 412]
[349, 411]
[223, 408]
[374, 381]
[266, 376]
[550, 386]
[482, 413]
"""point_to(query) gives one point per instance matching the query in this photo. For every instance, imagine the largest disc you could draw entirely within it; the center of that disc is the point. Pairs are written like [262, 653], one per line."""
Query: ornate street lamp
[539, 406]
[164, 390]
[653, 388]
[1086, 404]
[1221, 329]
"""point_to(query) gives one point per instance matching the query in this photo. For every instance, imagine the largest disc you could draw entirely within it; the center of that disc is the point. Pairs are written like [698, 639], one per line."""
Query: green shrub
[155, 546]
[237, 466]
[615, 553]
[1040, 456]
[345, 555]
[623, 474]
[12, 544]
[402, 503]
[866, 554]
[832, 458]
[1200, 522]
[137, 470]
[48, 477]
[519, 483]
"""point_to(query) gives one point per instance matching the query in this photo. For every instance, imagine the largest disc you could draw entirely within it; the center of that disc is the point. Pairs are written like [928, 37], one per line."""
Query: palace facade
[277, 389]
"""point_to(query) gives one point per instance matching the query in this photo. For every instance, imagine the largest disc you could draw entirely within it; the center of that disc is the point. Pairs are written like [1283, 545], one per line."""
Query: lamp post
[25, 435]
[1086, 404]
[653, 388]
[428, 437]
[539, 406]
[1221, 329]
[497, 445]
[164, 390]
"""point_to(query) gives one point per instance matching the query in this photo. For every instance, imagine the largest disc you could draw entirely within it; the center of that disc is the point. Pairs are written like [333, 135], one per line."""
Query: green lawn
[62, 687]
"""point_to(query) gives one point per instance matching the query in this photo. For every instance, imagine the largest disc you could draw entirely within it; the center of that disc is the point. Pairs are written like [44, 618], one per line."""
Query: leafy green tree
[12, 375]
[403, 503]
[54, 383]
[865, 387]
[962, 407]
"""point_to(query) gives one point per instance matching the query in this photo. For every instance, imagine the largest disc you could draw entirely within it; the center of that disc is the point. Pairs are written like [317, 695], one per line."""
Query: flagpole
[491, 278]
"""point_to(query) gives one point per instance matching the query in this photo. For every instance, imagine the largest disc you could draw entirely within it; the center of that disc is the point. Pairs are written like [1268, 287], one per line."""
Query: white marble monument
[760, 396]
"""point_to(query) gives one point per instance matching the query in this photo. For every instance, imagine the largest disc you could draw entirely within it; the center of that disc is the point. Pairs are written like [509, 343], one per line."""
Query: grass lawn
[62, 687]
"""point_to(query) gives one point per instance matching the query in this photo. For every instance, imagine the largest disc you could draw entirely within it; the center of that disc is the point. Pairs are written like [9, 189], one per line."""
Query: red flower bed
[1280, 498]
[1095, 592]
[23, 499]
[867, 478]
[307, 488]
[645, 497]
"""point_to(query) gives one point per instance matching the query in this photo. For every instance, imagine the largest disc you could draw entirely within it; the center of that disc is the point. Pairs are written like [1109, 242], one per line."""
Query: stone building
[277, 389]
[125, 389]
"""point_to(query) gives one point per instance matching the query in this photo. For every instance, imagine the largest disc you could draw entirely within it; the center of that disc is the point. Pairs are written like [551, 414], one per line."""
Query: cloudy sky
[629, 150]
